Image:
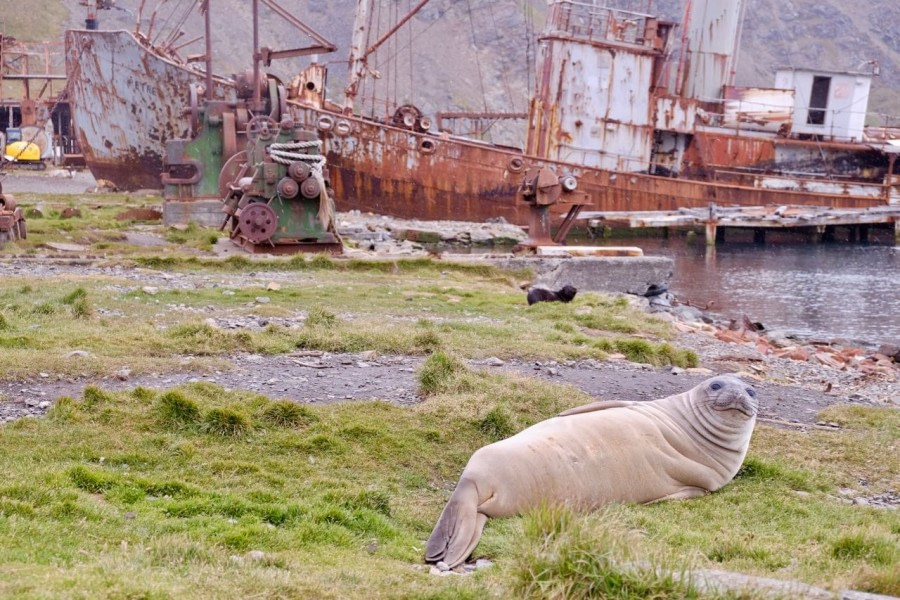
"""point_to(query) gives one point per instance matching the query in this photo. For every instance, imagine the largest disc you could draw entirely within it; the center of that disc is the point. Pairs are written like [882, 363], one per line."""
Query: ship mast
[360, 49]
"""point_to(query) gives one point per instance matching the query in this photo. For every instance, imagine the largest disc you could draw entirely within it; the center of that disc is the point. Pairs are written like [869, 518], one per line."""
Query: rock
[263, 300]
[79, 354]
[123, 374]
[44, 404]
[228, 292]
[442, 566]
[676, 370]
[33, 402]
[150, 290]
[256, 555]
[892, 351]
[860, 501]
[483, 563]
[62, 247]
[494, 362]
[273, 286]
[130, 515]
[140, 214]
[70, 212]
[368, 355]
[44, 375]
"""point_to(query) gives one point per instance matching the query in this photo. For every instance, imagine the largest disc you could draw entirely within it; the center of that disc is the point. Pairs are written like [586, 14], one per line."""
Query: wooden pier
[820, 220]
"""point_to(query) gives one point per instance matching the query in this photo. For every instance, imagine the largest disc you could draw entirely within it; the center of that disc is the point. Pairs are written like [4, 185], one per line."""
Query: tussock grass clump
[143, 394]
[91, 480]
[74, 296]
[284, 413]
[82, 309]
[862, 547]
[226, 422]
[64, 410]
[757, 469]
[4, 323]
[565, 555]
[497, 424]
[93, 396]
[174, 409]
[427, 340]
[643, 351]
[443, 373]
[321, 317]
[44, 309]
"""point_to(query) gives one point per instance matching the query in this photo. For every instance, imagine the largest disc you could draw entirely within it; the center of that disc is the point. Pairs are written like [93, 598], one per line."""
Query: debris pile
[885, 361]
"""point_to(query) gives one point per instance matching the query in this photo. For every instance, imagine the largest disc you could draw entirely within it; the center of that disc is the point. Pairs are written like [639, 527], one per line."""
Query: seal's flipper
[685, 493]
[593, 406]
[459, 527]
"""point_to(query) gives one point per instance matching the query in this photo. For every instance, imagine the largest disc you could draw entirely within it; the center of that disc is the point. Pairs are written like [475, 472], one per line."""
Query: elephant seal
[678, 447]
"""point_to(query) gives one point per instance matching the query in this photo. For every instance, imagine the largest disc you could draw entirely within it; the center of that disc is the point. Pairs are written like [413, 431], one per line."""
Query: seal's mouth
[740, 405]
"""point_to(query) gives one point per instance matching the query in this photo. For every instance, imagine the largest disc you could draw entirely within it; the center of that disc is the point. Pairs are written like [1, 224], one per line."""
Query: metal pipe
[208, 32]
[257, 99]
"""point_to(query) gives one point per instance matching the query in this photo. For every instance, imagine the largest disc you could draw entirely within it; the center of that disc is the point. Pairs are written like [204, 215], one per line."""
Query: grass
[200, 492]
[395, 307]
[204, 492]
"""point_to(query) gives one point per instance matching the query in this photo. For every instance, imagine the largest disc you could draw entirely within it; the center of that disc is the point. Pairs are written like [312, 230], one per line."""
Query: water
[818, 291]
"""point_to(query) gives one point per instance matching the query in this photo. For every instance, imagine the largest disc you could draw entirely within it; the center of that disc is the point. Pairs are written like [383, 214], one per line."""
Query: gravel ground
[791, 392]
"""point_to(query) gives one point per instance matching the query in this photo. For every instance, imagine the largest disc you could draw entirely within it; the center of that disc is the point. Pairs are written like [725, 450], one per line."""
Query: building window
[818, 100]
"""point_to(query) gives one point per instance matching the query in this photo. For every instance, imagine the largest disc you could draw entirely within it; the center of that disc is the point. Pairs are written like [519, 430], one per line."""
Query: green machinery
[275, 193]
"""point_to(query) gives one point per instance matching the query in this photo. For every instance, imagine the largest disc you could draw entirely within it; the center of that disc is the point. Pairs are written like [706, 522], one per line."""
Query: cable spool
[310, 188]
[288, 188]
[299, 171]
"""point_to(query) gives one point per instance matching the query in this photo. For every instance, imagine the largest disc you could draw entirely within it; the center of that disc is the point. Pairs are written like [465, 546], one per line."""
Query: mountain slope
[472, 55]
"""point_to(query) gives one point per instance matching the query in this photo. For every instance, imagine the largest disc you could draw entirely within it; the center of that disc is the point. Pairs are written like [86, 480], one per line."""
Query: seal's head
[727, 393]
[567, 293]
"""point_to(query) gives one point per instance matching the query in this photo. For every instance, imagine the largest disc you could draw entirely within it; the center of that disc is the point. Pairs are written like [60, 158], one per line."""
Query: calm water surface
[822, 291]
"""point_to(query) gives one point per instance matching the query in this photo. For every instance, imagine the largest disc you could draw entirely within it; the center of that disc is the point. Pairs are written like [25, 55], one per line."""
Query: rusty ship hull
[128, 102]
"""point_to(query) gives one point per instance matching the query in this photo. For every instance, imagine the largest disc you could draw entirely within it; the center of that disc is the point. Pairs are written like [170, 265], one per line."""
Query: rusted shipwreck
[633, 112]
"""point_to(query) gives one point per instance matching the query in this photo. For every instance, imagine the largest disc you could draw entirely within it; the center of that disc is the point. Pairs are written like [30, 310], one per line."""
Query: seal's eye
[751, 392]
[716, 386]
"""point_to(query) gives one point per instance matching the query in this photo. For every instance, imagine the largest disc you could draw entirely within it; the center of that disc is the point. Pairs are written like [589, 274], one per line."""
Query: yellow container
[22, 151]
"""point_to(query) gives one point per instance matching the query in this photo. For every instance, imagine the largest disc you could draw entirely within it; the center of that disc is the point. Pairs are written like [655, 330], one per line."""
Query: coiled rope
[286, 153]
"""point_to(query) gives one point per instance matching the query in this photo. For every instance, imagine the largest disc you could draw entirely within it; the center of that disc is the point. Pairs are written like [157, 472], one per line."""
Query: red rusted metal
[408, 171]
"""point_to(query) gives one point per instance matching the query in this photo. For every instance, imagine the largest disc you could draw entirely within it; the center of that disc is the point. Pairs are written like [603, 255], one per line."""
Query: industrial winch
[277, 196]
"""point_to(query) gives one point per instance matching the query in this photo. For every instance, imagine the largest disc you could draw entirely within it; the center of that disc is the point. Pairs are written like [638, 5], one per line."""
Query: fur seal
[678, 447]
[564, 294]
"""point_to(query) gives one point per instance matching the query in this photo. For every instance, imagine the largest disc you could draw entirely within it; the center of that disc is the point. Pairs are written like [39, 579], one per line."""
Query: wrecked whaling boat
[629, 113]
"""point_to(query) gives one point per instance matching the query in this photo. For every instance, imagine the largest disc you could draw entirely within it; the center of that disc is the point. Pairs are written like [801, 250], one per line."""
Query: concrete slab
[612, 274]
[207, 213]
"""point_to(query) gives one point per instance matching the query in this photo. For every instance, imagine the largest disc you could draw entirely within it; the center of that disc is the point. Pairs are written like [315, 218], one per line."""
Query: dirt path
[312, 377]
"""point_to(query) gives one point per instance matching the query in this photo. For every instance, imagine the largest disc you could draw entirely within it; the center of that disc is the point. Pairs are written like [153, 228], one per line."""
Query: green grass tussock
[565, 555]
[284, 413]
[226, 422]
[175, 410]
[443, 373]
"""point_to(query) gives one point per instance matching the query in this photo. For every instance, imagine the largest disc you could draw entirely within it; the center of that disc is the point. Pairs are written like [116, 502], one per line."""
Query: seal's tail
[458, 529]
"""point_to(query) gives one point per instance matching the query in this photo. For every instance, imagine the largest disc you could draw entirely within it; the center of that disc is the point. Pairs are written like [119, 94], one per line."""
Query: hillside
[473, 55]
